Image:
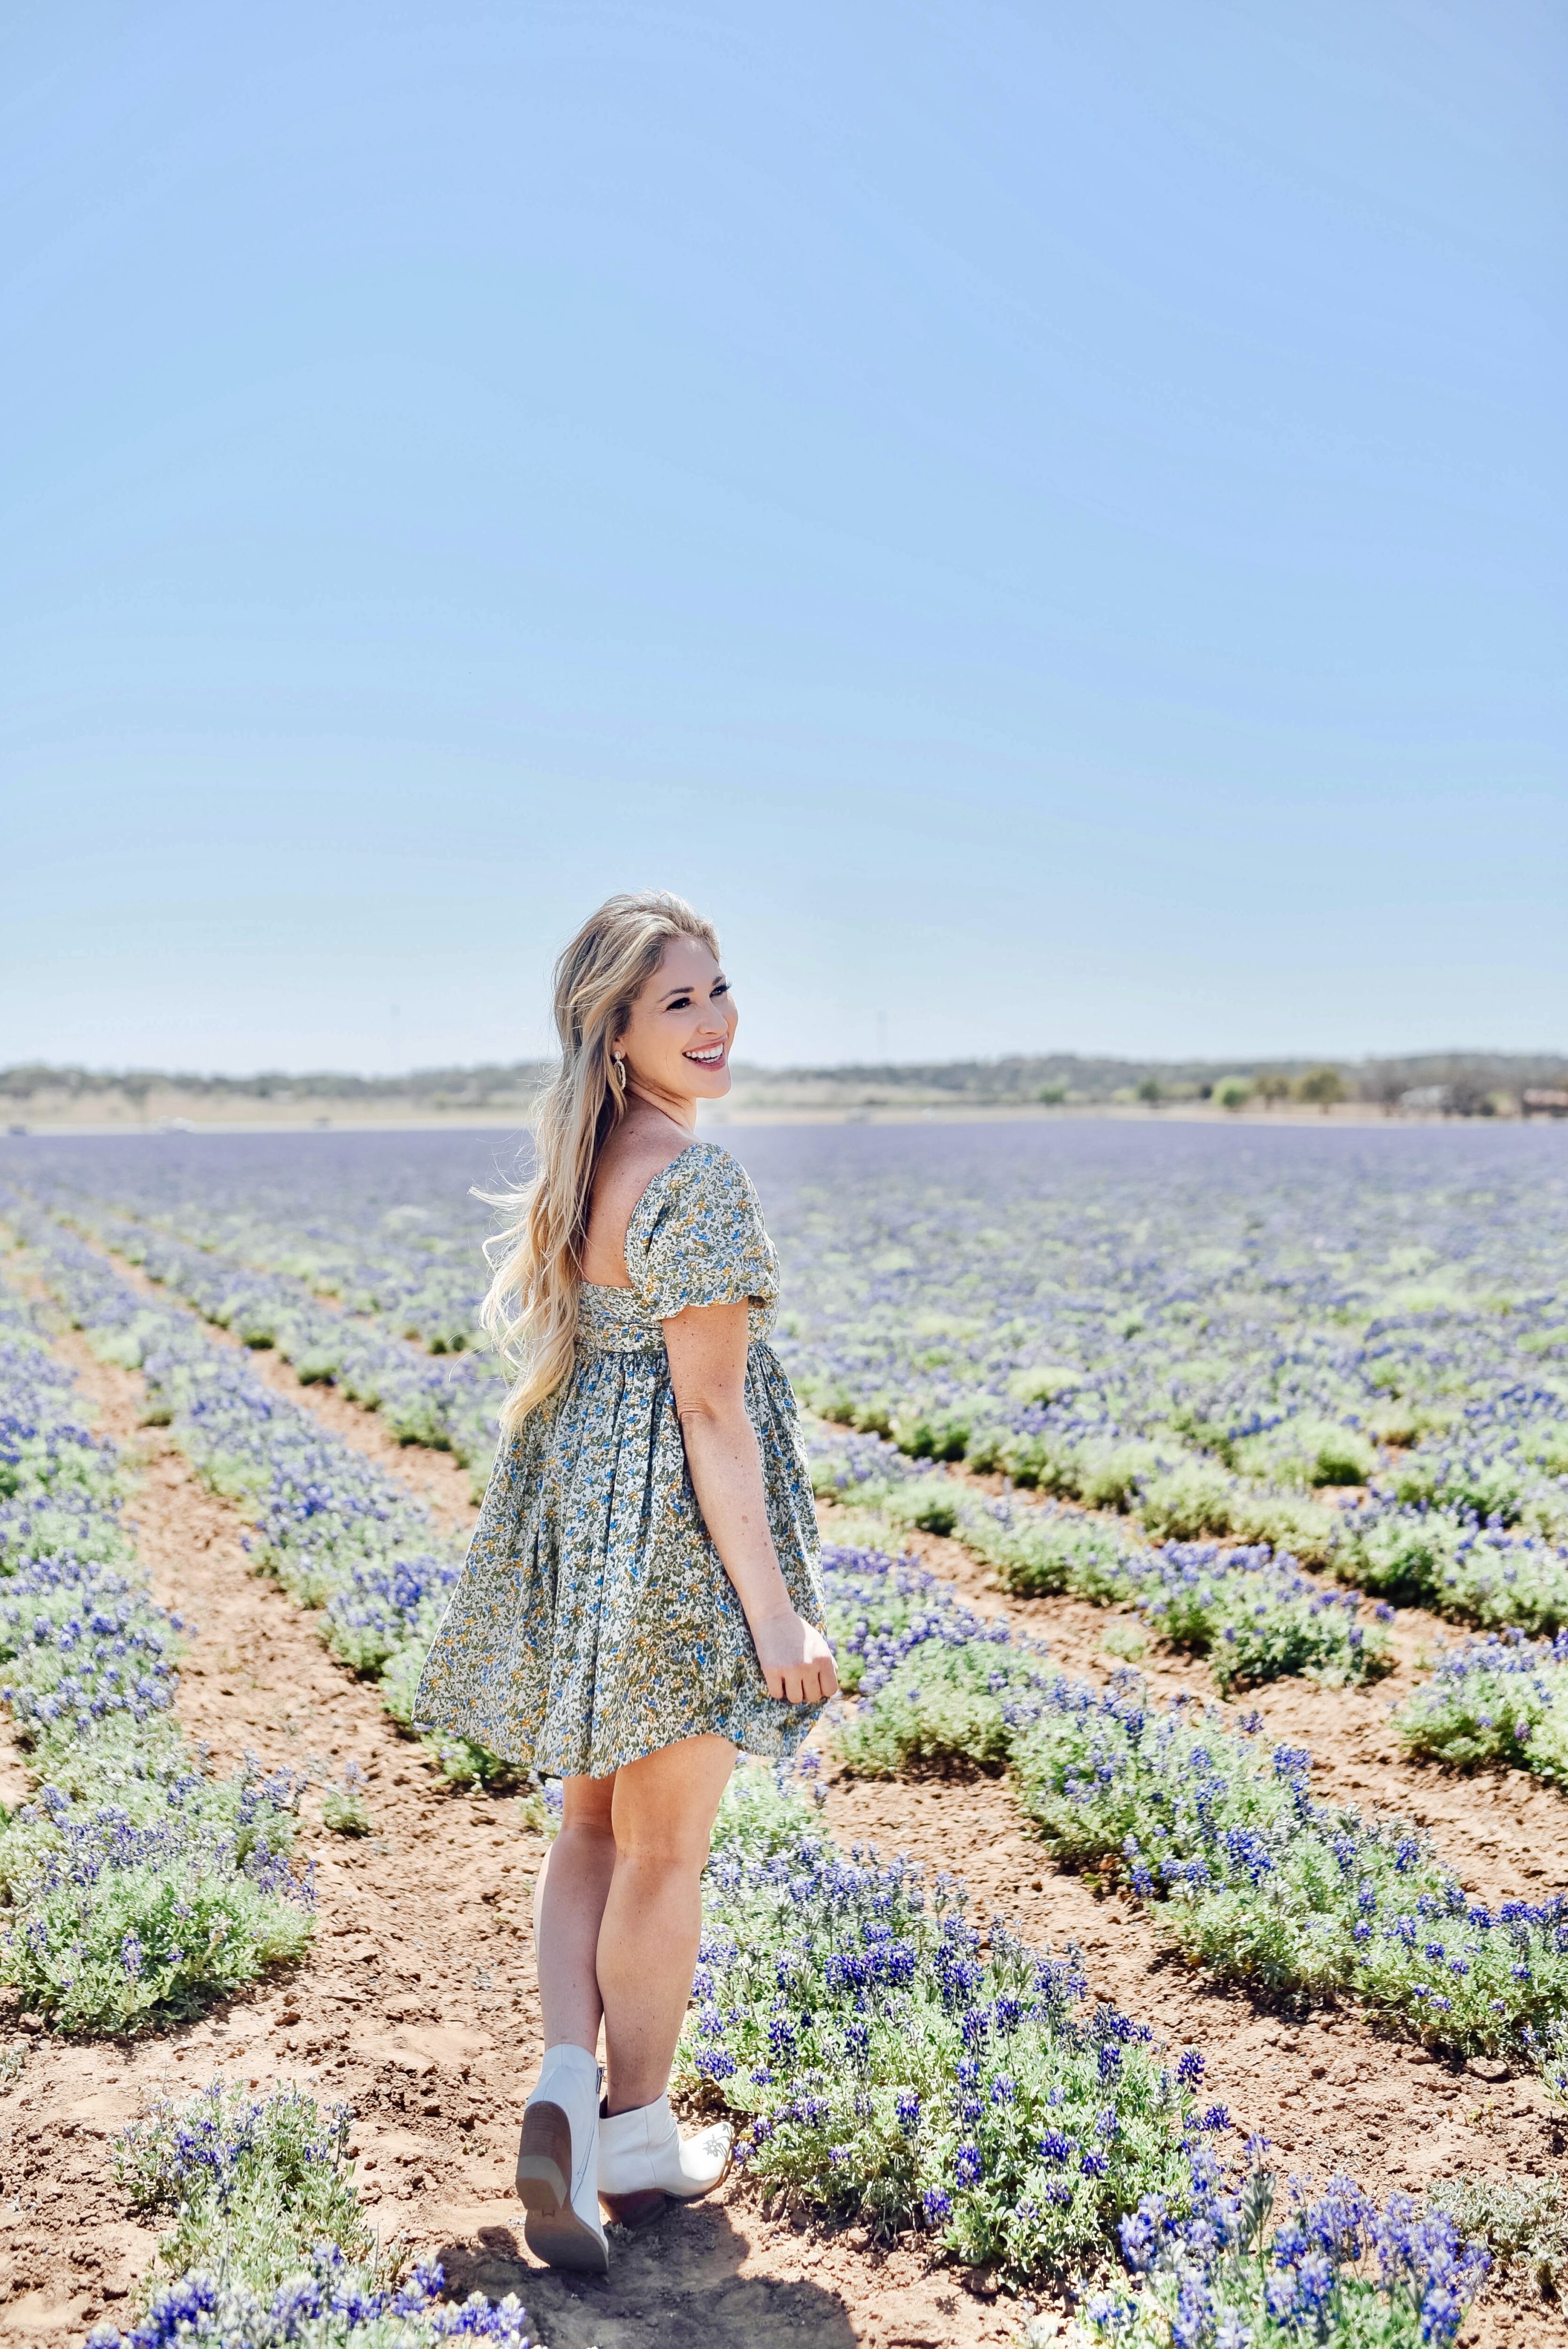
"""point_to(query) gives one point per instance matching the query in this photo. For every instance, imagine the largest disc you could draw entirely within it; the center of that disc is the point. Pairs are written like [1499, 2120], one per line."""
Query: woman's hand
[796, 1661]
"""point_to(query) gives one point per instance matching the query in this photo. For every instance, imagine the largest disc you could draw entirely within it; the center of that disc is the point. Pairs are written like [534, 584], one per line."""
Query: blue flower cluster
[270, 2246]
[1250, 1609]
[885, 2059]
[138, 1886]
[327, 2305]
[1213, 2273]
[880, 1609]
[1498, 1699]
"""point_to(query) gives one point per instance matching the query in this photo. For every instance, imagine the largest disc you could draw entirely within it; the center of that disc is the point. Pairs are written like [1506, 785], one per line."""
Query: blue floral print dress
[593, 1621]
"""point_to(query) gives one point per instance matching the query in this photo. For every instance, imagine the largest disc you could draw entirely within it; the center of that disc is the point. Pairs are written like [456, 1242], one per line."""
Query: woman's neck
[680, 1108]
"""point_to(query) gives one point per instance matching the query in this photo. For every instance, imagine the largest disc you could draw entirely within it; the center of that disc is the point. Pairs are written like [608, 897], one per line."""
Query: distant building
[1539, 1100]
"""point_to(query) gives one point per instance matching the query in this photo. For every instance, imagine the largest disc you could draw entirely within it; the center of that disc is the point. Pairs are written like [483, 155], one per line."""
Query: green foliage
[1043, 1383]
[135, 1946]
[1322, 1087]
[342, 1807]
[944, 1708]
[1188, 1503]
[253, 2186]
[882, 2069]
[1522, 2222]
[929, 1504]
[1258, 1882]
[1439, 1560]
[1501, 1701]
[1038, 1553]
[931, 1434]
[1309, 1452]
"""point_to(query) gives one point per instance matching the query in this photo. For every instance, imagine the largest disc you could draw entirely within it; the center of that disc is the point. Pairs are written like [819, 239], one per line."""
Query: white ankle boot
[558, 2164]
[646, 2164]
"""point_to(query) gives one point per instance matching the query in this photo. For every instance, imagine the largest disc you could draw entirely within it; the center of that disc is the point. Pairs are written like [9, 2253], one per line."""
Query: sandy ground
[416, 2002]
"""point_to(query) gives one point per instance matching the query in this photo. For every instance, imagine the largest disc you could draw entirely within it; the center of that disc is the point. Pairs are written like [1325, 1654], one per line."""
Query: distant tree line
[1463, 1084]
[455, 1088]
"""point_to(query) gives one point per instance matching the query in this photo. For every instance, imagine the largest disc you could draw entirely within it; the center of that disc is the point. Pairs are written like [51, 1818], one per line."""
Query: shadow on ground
[676, 2283]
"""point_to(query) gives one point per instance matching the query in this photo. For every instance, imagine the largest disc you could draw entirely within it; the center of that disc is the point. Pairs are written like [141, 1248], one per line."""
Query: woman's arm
[708, 1347]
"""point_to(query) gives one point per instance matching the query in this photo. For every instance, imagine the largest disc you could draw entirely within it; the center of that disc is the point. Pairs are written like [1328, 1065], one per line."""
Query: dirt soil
[416, 2002]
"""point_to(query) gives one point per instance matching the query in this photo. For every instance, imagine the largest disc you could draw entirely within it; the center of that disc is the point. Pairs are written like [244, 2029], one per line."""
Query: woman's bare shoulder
[635, 1155]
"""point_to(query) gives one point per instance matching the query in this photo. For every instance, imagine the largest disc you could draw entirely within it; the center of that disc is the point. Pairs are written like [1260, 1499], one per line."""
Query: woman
[642, 1597]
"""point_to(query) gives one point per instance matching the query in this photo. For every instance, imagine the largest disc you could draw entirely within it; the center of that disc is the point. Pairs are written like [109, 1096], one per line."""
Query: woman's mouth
[707, 1056]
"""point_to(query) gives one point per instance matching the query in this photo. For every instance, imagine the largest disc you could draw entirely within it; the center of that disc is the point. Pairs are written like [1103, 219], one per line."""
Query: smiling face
[676, 1043]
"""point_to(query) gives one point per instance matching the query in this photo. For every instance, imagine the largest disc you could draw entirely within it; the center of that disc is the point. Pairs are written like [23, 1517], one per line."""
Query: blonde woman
[641, 1597]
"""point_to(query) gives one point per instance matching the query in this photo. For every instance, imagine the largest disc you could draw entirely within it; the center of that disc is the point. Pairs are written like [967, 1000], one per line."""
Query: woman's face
[677, 1042]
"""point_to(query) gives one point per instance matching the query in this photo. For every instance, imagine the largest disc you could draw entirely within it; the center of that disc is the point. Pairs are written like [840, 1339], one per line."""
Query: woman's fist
[796, 1661]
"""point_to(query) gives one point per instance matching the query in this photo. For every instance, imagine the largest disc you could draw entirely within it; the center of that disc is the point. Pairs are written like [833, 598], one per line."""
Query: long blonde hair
[529, 1312]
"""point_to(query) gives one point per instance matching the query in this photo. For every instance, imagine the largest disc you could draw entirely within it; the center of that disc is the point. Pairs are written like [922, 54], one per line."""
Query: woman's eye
[722, 988]
[681, 1003]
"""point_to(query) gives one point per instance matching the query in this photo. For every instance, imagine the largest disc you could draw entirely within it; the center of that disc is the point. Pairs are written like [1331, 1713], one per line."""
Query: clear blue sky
[1047, 520]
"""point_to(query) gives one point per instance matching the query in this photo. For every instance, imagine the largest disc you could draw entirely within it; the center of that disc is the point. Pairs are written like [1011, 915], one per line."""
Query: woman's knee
[671, 1845]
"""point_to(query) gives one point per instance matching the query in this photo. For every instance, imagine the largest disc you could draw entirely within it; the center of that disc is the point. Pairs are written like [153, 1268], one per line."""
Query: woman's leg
[569, 1898]
[662, 1813]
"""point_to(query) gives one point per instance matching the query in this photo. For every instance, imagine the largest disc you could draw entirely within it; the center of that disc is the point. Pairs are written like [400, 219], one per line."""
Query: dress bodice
[696, 1237]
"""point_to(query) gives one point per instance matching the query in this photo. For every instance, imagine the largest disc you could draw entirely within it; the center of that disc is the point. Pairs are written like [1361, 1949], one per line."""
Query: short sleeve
[697, 1238]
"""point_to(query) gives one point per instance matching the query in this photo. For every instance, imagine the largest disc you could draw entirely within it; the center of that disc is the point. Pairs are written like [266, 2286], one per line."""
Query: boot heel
[544, 2159]
[636, 2209]
[553, 2229]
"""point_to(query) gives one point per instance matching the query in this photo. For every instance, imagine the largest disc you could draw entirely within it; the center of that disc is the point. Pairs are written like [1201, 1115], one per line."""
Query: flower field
[1253, 1397]
[137, 1887]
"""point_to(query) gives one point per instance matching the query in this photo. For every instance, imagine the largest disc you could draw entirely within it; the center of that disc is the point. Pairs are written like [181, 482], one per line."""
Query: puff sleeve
[697, 1238]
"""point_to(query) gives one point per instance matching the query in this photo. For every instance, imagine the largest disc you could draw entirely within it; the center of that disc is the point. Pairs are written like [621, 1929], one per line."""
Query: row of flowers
[1252, 1610]
[449, 1403]
[1238, 1861]
[887, 2060]
[137, 1884]
[342, 1536]
[1498, 1699]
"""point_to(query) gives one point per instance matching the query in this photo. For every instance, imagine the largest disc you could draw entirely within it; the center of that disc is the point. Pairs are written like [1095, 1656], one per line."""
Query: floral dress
[593, 1621]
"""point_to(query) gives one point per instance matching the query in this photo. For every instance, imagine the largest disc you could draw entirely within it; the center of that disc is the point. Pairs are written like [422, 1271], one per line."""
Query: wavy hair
[529, 1312]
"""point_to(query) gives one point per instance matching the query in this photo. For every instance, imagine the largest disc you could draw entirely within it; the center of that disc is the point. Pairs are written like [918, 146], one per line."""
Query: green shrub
[1043, 1383]
[930, 1504]
[1187, 1504]
[253, 2186]
[1489, 1577]
[1497, 1701]
[931, 1434]
[944, 1708]
[1038, 1553]
[882, 2069]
